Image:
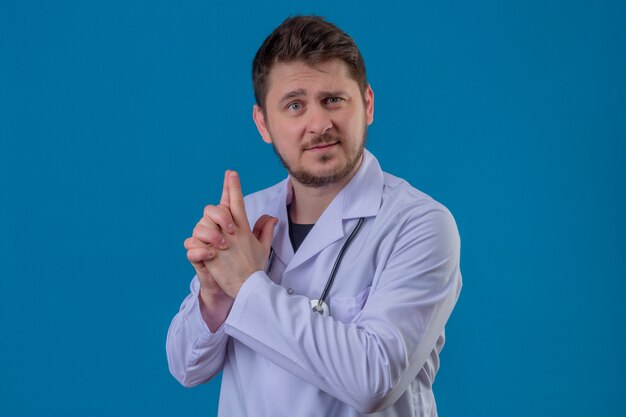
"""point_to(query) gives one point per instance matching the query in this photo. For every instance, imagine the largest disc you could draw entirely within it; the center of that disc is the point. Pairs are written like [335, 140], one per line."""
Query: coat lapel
[281, 242]
[327, 230]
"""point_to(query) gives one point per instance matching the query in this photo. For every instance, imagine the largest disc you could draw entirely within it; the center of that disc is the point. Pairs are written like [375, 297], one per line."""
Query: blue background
[118, 118]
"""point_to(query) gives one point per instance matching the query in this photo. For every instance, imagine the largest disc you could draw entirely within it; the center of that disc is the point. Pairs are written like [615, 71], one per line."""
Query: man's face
[316, 119]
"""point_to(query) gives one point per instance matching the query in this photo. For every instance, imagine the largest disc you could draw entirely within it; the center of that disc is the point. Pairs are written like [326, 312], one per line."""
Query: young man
[334, 304]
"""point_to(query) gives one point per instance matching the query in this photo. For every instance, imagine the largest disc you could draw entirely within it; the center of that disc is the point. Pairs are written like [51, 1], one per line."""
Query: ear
[369, 105]
[261, 123]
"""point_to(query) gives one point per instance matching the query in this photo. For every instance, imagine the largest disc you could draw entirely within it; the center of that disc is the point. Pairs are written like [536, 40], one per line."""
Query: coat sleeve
[370, 362]
[194, 353]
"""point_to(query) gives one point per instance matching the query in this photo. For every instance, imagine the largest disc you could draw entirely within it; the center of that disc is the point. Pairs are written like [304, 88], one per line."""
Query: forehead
[327, 76]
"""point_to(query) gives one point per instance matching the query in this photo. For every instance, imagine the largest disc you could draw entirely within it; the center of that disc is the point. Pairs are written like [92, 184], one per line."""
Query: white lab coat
[378, 352]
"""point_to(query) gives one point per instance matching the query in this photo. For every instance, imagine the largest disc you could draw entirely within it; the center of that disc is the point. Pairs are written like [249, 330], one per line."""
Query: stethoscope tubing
[333, 272]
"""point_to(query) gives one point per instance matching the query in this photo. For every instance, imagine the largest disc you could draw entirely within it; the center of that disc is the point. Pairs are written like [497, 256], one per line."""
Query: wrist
[213, 296]
[233, 290]
[214, 308]
[235, 286]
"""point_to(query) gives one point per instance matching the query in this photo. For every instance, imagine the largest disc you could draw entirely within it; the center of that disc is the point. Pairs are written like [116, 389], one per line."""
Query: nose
[319, 120]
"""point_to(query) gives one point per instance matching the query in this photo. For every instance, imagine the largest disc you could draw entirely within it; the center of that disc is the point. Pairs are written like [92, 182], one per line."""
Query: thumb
[264, 232]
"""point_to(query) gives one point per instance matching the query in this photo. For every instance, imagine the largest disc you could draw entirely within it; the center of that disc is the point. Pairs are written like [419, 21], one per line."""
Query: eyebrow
[293, 94]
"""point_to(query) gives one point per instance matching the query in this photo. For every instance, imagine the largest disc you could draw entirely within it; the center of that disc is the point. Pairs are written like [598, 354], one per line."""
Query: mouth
[322, 147]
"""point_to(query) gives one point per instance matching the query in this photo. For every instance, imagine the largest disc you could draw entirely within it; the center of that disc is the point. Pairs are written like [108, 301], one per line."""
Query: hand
[207, 235]
[244, 251]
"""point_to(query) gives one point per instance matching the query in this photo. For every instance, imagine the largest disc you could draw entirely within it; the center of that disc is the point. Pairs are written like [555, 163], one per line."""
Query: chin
[322, 177]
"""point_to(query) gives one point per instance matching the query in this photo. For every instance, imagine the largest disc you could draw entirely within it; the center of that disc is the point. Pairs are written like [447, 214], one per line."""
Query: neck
[308, 203]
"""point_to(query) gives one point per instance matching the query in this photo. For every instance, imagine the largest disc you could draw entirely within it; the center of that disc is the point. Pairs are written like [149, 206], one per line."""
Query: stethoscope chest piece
[320, 307]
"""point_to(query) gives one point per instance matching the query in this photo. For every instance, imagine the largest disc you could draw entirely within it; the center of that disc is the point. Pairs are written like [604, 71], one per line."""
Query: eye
[295, 106]
[334, 100]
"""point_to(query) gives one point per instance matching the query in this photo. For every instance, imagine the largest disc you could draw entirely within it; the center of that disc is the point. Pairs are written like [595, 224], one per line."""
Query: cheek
[286, 129]
[354, 123]
[293, 131]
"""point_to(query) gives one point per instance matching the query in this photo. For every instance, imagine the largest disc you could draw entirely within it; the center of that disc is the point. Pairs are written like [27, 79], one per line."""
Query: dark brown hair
[310, 39]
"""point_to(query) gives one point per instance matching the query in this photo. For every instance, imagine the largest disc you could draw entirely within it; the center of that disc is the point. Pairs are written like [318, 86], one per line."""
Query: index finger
[237, 207]
[225, 200]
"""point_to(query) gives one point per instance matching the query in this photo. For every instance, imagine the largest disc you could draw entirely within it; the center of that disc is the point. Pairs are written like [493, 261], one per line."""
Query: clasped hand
[223, 250]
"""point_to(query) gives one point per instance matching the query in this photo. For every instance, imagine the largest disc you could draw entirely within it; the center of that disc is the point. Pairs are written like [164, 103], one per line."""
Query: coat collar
[361, 197]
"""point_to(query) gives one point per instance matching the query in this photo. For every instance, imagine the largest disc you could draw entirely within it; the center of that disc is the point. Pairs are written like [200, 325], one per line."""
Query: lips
[321, 146]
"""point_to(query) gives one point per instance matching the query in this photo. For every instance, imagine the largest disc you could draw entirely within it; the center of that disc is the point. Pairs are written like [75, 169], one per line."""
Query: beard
[310, 179]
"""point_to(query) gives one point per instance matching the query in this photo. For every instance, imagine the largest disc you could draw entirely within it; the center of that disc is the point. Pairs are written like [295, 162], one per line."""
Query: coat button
[289, 291]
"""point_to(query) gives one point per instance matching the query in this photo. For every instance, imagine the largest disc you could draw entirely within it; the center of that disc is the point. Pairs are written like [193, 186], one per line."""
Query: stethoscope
[320, 306]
